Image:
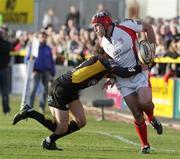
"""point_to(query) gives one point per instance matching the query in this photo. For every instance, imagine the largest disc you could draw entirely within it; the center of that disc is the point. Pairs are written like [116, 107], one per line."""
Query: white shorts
[131, 84]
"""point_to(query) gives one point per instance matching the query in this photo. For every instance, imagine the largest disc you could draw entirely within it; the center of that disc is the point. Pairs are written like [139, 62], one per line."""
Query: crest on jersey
[50, 100]
[92, 82]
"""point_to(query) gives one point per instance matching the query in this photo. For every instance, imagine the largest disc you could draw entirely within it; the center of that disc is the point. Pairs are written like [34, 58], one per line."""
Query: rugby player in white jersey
[119, 41]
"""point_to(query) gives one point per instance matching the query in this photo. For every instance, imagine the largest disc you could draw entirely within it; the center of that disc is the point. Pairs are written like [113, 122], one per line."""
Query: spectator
[50, 19]
[30, 36]
[102, 7]
[73, 15]
[166, 33]
[61, 43]
[160, 52]
[177, 69]
[172, 70]
[44, 69]
[75, 48]
[71, 25]
[173, 29]
[87, 43]
[5, 48]
[149, 20]
[20, 43]
[172, 49]
[134, 9]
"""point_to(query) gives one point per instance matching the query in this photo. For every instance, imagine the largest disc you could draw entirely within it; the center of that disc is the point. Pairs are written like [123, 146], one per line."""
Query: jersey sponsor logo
[118, 53]
[121, 40]
[67, 106]
[92, 82]
[131, 70]
[118, 50]
[50, 100]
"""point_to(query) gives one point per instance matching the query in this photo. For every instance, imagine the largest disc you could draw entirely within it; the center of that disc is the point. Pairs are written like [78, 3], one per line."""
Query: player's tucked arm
[150, 35]
[114, 68]
[140, 26]
[150, 32]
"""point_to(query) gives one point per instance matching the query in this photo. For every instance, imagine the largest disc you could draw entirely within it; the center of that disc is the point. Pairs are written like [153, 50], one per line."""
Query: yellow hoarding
[163, 97]
[167, 60]
[17, 11]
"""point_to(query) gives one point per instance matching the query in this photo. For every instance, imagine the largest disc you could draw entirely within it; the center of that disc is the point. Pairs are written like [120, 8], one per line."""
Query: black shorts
[60, 95]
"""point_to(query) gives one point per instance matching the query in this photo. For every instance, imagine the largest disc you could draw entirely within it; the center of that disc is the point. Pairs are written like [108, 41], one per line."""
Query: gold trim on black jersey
[83, 73]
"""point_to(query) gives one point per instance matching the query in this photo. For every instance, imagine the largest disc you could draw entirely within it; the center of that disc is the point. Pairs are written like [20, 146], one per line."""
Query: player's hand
[151, 65]
[144, 67]
[153, 47]
[110, 83]
[100, 32]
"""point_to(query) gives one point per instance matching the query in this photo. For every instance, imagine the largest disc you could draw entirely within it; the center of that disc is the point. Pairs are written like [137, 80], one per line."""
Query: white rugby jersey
[123, 49]
[123, 45]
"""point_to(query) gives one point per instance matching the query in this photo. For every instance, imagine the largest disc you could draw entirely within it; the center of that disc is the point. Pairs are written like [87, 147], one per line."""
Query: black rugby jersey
[92, 71]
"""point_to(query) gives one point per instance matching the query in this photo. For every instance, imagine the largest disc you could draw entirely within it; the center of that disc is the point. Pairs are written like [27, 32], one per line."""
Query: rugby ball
[145, 52]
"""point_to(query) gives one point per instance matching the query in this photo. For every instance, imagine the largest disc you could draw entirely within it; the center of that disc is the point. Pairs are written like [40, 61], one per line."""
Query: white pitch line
[127, 141]
[118, 137]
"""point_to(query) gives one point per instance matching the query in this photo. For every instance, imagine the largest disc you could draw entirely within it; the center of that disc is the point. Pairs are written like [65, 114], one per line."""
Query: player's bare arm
[150, 34]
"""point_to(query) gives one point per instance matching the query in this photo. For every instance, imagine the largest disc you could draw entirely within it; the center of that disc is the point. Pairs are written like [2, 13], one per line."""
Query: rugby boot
[49, 145]
[146, 149]
[22, 114]
[157, 125]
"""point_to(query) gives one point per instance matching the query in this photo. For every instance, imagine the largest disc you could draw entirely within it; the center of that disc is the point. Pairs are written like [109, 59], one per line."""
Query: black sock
[42, 120]
[72, 127]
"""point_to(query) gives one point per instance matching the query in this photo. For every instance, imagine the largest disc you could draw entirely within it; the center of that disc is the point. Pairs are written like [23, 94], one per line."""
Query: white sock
[48, 139]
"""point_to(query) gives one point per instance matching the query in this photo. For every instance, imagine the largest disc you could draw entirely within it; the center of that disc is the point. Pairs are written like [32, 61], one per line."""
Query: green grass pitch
[98, 140]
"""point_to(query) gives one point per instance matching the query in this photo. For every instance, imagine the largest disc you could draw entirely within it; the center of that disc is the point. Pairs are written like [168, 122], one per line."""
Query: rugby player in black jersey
[64, 97]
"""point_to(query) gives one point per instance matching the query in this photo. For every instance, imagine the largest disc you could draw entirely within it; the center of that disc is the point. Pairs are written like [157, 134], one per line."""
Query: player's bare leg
[61, 118]
[78, 113]
[139, 123]
[145, 99]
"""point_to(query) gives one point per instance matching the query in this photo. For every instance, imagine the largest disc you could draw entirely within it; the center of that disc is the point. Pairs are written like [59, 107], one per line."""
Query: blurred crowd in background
[72, 43]
[167, 32]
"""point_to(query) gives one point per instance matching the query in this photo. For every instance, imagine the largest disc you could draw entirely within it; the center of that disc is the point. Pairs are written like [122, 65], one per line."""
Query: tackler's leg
[28, 112]
[63, 128]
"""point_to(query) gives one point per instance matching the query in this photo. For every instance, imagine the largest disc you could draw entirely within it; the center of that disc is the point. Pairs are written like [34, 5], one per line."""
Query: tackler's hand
[110, 82]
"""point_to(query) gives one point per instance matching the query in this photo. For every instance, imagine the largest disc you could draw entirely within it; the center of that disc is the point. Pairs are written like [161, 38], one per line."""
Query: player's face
[99, 30]
[97, 27]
